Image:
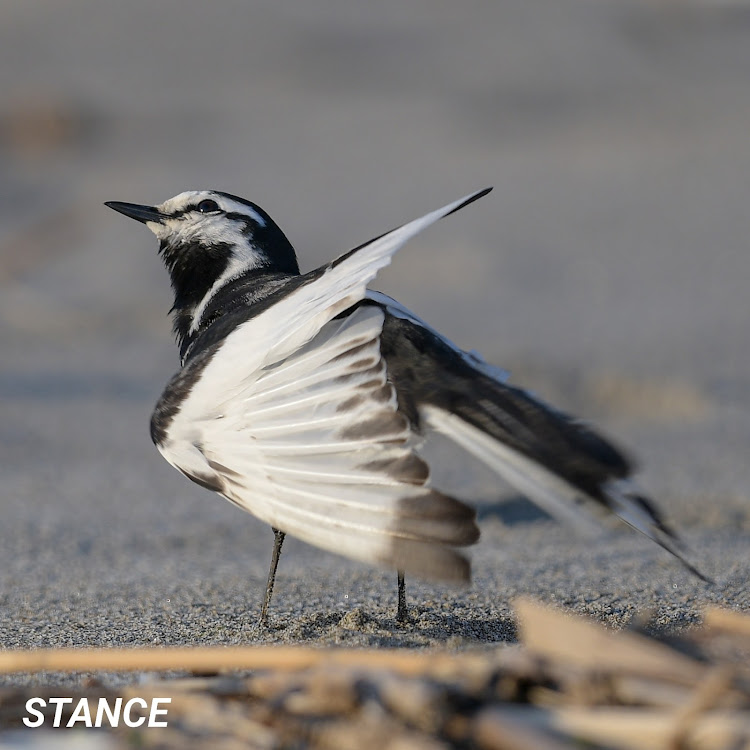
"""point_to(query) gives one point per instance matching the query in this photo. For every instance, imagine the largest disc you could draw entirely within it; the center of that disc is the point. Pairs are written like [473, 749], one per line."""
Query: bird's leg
[278, 540]
[401, 613]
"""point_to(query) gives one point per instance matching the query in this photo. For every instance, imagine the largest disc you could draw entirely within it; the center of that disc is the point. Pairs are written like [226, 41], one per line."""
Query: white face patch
[186, 226]
[189, 226]
[206, 229]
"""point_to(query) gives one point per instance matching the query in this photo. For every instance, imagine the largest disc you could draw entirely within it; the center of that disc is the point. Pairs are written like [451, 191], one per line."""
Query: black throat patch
[193, 268]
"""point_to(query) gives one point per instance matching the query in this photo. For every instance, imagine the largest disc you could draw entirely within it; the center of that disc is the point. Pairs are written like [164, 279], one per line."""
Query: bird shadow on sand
[359, 628]
[511, 511]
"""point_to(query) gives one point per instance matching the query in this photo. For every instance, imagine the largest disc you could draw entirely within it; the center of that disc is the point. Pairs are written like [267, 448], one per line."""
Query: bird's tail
[560, 463]
[544, 487]
[640, 513]
[560, 495]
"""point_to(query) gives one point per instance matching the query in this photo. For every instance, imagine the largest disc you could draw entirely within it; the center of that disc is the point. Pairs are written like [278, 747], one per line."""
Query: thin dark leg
[401, 614]
[278, 540]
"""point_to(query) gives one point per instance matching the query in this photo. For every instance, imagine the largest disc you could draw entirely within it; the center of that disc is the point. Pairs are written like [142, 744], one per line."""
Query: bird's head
[207, 238]
[212, 230]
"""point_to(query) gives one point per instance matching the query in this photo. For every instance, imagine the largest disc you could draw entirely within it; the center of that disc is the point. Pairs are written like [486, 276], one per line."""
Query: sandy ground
[607, 271]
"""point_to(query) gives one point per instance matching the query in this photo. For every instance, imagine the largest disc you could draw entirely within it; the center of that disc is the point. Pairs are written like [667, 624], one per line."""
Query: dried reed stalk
[212, 659]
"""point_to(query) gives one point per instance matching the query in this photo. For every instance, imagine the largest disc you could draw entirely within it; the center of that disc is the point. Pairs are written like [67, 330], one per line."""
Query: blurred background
[608, 270]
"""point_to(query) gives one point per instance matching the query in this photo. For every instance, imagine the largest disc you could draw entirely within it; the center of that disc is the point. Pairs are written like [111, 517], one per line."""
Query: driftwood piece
[631, 729]
[727, 620]
[558, 636]
[213, 659]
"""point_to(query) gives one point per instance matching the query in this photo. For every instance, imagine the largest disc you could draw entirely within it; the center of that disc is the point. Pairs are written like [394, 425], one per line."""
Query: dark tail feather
[640, 513]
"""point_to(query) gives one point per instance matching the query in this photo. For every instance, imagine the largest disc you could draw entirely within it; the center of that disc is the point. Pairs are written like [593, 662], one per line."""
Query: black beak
[143, 214]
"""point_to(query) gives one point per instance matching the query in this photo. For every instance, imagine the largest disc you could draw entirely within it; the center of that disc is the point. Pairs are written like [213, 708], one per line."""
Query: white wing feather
[316, 446]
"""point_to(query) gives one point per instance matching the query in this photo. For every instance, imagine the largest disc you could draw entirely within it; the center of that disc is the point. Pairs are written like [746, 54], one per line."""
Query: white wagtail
[303, 399]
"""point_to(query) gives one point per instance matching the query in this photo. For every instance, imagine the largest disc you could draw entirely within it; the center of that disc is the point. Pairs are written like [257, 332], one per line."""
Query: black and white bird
[304, 398]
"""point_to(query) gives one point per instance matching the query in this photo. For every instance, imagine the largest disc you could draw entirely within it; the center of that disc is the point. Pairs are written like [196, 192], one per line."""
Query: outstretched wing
[314, 444]
[327, 291]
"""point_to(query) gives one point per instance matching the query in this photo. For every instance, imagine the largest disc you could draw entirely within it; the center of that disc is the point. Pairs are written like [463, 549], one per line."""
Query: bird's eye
[207, 206]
